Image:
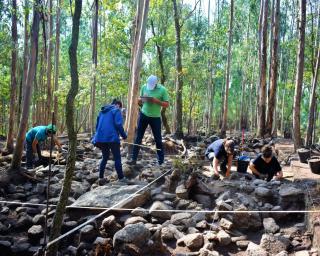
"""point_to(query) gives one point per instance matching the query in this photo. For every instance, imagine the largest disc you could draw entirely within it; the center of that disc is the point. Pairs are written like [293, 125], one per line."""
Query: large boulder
[274, 244]
[292, 197]
[170, 232]
[88, 234]
[136, 234]
[192, 241]
[79, 188]
[110, 195]
[35, 233]
[165, 215]
[247, 220]
[182, 218]
[255, 250]
[182, 192]
[270, 226]
[223, 237]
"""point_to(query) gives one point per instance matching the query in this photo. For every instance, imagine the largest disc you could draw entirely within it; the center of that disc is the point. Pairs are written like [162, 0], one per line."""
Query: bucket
[304, 154]
[242, 164]
[314, 164]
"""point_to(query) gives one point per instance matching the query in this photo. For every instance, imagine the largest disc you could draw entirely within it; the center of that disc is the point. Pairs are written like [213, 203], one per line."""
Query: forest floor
[186, 189]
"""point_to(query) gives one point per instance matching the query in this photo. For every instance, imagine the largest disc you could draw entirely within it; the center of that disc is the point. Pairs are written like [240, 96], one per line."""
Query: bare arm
[279, 175]
[163, 104]
[34, 145]
[215, 166]
[253, 169]
[229, 165]
[56, 141]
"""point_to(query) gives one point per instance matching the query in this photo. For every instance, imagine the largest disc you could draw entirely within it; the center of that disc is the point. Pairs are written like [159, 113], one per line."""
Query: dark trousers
[155, 124]
[29, 154]
[114, 147]
[223, 162]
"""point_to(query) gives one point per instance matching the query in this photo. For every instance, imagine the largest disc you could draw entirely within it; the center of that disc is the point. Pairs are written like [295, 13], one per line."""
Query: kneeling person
[221, 152]
[266, 165]
[34, 136]
[109, 126]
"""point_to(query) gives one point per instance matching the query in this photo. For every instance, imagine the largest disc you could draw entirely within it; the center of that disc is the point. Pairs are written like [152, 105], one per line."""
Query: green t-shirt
[151, 109]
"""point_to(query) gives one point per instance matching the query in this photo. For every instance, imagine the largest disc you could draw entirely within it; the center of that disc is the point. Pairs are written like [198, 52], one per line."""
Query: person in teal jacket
[36, 135]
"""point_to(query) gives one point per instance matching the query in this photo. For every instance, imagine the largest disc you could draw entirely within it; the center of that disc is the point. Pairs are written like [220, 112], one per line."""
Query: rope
[104, 212]
[142, 146]
[171, 210]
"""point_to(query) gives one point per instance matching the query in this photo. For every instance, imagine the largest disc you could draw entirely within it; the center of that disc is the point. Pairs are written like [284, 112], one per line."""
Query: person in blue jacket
[221, 151]
[35, 136]
[108, 128]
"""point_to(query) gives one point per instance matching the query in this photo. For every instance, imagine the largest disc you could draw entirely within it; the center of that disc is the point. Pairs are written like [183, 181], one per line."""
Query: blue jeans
[155, 124]
[105, 149]
[29, 154]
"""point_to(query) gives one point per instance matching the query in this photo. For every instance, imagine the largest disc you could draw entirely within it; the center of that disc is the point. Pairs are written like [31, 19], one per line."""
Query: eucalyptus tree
[274, 69]
[13, 88]
[17, 155]
[72, 134]
[299, 76]
[263, 69]
[226, 93]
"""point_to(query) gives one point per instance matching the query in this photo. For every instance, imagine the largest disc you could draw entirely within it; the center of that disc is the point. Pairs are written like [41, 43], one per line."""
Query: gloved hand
[36, 157]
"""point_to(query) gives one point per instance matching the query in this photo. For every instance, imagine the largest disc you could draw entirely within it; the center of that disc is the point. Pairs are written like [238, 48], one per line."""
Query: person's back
[109, 125]
[37, 132]
[217, 148]
[108, 128]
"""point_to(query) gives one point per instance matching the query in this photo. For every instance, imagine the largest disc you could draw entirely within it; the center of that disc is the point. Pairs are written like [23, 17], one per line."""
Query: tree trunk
[72, 135]
[210, 90]
[142, 15]
[13, 89]
[271, 36]
[282, 112]
[16, 160]
[274, 70]
[49, 65]
[299, 77]
[136, 28]
[25, 55]
[56, 61]
[312, 104]
[263, 71]
[94, 63]
[179, 81]
[162, 80]
[226, 93]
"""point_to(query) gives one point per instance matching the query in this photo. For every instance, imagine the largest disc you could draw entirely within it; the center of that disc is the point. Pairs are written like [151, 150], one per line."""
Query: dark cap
[117, 102]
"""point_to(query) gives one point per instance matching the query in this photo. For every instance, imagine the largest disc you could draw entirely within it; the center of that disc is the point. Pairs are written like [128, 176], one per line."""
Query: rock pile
[186, 213]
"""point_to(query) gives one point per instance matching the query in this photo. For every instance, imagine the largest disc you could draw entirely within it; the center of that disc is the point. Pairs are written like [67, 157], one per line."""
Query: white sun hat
[152, 82]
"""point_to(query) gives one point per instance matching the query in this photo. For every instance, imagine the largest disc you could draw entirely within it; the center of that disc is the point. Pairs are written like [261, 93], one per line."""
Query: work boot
[123, 180]
[103, 181]
[132, 162]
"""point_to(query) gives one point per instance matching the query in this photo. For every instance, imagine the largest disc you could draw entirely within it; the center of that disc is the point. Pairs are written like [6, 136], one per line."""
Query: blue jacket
[109, 125]
[217, 148]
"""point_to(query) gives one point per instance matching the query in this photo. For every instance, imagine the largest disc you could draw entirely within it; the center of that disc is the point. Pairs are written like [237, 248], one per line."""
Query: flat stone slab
[109, 195]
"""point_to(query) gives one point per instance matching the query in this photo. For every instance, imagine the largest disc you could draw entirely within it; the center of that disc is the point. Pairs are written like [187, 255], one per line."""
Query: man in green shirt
[36, 135]
[153, 96]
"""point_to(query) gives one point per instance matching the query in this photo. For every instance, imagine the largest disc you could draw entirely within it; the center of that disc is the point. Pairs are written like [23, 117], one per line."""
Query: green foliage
[201, 43]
